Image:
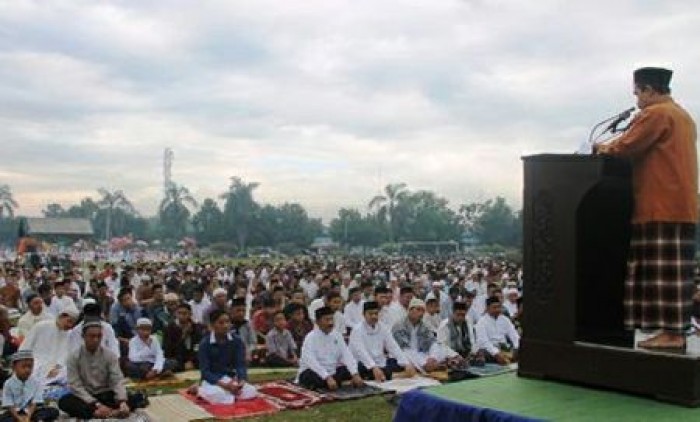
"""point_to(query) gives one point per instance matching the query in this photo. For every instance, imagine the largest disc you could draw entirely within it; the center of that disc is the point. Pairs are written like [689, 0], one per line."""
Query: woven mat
[258, 406]
[140, 415]
[183, 379]
[402, 385]
[172, 408]
[288, 395]
[491, 369]
[348, 392]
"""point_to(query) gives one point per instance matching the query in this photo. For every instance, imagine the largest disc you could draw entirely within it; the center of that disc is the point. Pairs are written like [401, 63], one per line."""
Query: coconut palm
[385, 205]
[240, 209]
[110, 201]
[174, 209]
[7, 202]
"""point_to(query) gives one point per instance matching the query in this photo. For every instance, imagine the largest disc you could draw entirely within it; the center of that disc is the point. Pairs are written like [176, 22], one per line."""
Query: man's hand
[102, 411]
[53, 372]
[431, 365]
[330, 382]
[124, 409]
[151, 374]
[516, 355]
[189, 366]
[378, 374]
[410, 370]
[357, 381]
[500, 359]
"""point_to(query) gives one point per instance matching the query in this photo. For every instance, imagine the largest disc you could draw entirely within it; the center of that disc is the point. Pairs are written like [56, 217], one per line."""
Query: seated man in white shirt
[326, 361]
[353, 309]
[496, 335]
[432, 317]
[416, 340]
[369, 343]
[146, 359]
[398, 311]
[456, 334]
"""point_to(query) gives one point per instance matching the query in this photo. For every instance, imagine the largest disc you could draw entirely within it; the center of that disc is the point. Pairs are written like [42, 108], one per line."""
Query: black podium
[576, 214]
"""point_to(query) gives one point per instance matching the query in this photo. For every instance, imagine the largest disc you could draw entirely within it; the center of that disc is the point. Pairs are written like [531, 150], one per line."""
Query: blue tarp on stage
[417, 406]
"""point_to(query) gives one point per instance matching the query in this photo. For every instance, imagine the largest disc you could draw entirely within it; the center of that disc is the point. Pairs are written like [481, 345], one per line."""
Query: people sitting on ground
[242, 328]
[416, 340]
[146, 358]
[298, 324]
[60, 300]
[219, 302]
[50, 343]
[370, 342]
[23, 395]
[262, 319]
[123, 316]
[281, 348]
[496, 336]
[36, 312]
[222, 363]
[97, 387]
[8, 345]
[432, 318]
[398, 310]
[510, 302]
[456, 335]
[181, 339]
[92, 312]
[326, 361]
[353, 308]
[199, 304]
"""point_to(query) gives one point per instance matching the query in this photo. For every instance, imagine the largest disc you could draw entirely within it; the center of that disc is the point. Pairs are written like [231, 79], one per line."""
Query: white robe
[50, 347]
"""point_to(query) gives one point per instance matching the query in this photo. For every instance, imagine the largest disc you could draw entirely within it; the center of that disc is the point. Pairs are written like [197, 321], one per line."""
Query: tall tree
[240, 209]
[385, 205]
[350, 228]
[493, 222]
[174, 212]
[8, 205]
[53, 210]
[110, 201]
[208, 222]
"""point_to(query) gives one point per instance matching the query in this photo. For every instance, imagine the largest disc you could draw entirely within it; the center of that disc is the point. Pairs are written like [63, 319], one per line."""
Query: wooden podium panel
[576, 214]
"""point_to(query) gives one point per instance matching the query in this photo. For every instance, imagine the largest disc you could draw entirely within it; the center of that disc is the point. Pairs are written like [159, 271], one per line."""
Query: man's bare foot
[664, 341]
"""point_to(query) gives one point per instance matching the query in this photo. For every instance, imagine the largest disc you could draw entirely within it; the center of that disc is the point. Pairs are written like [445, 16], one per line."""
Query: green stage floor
[560, 402]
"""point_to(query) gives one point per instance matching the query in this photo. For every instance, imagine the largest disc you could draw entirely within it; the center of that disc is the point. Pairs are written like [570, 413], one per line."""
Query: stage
[511, 398]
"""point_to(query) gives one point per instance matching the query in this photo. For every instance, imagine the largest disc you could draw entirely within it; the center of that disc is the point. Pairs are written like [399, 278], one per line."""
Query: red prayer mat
[258, 406]
[289, 396]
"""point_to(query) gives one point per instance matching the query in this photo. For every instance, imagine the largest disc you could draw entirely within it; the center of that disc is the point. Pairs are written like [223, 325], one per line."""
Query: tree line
[236, 221]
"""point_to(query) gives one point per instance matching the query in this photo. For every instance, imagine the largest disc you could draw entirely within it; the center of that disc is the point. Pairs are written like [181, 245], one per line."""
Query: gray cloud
[321, 101]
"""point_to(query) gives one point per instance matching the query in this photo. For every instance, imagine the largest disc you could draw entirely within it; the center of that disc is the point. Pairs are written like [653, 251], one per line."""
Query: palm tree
[111, 201]
[174, 210]
[240, 208]
[385, 205]
[7, 202]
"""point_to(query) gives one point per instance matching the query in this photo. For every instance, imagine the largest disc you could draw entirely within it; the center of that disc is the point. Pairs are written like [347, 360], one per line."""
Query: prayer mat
[442, 376]
[154, 387]
[402, 385]
[172, 408]
[138, 415]
[348, 392]
[491, 369]
[258, 406]
[288, 395]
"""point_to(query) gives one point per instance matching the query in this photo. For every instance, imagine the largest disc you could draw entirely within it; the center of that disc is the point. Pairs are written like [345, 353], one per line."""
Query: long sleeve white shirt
[353, 313]
[198, 309]
[443, 337]
[109, 339]
[368, 345]
[396, 313]
[140, 351]
[58, 304]
[432, 321]
[490, 332]
[322, 353]
[48, 343]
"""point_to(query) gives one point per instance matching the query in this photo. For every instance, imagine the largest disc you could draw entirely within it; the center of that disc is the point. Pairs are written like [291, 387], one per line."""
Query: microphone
[612, 127]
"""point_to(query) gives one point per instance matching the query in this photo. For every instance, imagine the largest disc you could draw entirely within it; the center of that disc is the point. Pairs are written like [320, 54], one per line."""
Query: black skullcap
[381, 290]
[653, 76]
[459, 306]
[353, 290]
[406, 289]
[239, 301]
[493, 299]
[323, 311]
[370, 306]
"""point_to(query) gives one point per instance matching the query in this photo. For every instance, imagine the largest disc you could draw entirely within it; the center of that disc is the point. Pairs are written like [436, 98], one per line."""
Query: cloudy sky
[320, 101]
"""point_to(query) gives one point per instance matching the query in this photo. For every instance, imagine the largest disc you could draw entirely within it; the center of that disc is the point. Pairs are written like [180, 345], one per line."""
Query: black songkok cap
[493, 299]
[654, 76]
[370, 306]
[381, 290]
[239, 301]
[406, 289]
[460, 306]
[323, 311]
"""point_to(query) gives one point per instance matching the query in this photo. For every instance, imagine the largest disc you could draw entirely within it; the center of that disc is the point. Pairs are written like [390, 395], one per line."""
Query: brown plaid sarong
[660, 268]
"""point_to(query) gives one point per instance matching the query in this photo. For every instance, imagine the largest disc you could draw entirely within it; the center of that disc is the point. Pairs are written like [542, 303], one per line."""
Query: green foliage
[352, 229]
[493, 222]
[174, 211]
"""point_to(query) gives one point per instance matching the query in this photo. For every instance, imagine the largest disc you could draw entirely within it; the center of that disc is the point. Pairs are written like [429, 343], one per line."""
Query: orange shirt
[661, 144]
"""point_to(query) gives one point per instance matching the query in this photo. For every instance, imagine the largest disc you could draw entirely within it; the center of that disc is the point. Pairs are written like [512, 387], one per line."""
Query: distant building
[56, 229]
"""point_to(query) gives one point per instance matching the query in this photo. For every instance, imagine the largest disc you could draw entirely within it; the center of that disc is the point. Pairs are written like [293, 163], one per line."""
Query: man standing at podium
[660, 143]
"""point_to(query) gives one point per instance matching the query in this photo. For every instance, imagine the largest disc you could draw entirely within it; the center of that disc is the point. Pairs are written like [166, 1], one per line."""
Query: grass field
[371, 409]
